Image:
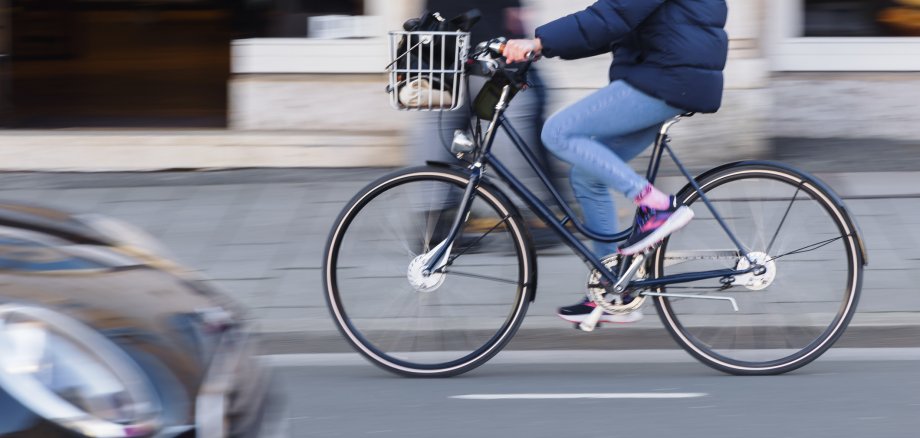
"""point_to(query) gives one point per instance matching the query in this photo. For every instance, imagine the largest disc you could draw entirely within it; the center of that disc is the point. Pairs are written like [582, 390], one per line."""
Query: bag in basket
[418, 52]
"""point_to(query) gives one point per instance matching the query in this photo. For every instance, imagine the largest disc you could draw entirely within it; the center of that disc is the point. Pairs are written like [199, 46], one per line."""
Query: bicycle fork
[440, 254]
[442, 251]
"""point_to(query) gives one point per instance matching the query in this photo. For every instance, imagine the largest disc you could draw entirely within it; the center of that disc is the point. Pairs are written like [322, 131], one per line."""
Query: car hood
[167, 319]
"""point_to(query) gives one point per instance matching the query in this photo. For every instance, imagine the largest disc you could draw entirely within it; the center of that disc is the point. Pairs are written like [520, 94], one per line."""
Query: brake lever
[518, 75]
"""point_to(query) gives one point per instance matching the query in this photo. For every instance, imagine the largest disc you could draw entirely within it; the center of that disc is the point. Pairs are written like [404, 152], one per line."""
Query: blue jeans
[597, 136]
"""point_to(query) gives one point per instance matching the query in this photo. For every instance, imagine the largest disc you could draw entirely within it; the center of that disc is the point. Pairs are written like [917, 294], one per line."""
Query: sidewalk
[85, 150]
[260, 233]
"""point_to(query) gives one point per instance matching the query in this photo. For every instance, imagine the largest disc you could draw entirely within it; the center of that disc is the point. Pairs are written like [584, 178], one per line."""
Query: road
[847, 393]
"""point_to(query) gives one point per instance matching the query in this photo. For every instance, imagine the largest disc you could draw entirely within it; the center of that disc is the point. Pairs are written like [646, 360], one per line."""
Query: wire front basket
[426, 70]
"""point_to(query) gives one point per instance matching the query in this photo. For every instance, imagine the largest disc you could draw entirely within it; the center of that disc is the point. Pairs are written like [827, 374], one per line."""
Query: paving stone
[261, 235]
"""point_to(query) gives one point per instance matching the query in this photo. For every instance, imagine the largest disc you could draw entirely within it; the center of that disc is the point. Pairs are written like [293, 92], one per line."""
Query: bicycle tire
[792, 313]
[436, 333]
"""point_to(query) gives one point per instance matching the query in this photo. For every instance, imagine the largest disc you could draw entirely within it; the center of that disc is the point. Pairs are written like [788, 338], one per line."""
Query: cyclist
[668, 60]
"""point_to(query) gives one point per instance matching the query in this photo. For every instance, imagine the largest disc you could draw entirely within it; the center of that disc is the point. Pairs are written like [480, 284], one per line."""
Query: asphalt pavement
[848, 393]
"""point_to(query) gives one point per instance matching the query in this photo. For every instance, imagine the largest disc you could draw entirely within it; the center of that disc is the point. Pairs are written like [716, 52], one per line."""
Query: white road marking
[614, 395]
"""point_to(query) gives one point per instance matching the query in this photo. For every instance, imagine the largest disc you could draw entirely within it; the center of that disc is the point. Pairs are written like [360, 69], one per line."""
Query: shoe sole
[678, 220]
[624, 318]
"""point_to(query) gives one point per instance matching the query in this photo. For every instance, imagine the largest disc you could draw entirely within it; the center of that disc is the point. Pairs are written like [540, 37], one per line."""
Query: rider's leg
[594, 195]
[600, 215]
[578, 135]
[597, 135]
[597, 208]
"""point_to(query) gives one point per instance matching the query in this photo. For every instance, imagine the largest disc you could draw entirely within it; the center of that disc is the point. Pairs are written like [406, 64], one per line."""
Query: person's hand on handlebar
[522, 50]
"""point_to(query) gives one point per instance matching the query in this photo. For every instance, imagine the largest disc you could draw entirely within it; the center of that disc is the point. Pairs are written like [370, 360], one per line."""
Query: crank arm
[590, 323]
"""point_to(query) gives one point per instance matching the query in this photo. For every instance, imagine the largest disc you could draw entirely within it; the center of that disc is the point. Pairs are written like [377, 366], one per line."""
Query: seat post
[658, 150]
[668, 124]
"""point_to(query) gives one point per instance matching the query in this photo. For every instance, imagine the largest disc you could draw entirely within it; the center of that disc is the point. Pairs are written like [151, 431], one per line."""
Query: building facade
[802, 69]
[798, 69]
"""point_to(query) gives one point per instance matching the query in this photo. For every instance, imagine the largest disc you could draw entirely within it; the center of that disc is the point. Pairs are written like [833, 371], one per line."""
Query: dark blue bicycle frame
[484, 159]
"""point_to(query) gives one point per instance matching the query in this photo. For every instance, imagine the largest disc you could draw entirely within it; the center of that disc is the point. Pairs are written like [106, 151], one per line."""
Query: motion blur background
[93, 89]
[799, 70]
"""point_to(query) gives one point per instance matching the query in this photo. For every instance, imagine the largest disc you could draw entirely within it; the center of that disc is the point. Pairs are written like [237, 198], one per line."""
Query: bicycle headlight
[68, 373]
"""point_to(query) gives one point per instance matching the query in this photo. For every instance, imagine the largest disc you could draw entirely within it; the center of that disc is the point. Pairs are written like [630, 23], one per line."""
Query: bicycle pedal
[577, 326]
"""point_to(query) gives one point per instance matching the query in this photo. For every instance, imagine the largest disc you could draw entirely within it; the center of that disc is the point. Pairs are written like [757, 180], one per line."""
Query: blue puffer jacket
[674, 50]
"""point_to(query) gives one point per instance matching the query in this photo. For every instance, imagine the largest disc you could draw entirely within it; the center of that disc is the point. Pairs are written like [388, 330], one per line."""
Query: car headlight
[68, 373]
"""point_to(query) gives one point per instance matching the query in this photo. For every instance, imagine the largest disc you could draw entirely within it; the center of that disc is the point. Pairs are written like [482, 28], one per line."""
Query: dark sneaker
[578, 312]
[654, 225]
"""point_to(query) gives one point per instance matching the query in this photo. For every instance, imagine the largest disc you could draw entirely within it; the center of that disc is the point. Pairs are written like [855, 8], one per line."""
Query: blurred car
[102, 335]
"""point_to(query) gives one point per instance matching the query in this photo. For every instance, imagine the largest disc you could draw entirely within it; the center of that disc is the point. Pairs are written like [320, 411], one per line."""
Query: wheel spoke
[476, 242]
[481, 277]
[810, 247]
[783, 220]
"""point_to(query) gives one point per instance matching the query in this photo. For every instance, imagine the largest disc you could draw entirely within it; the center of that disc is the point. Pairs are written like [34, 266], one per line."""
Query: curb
[565, 338]
[585, 357]
[107, 151]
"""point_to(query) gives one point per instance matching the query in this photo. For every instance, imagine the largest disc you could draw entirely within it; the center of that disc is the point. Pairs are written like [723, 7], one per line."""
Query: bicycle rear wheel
[789, 315]
[439, 325]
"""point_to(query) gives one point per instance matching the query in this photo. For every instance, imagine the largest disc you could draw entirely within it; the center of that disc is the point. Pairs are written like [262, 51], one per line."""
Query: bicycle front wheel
[444, 323]
[793, 311]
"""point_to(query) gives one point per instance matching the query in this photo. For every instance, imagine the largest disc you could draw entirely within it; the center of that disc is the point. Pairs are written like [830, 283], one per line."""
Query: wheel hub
[759, 279]
[419, 280]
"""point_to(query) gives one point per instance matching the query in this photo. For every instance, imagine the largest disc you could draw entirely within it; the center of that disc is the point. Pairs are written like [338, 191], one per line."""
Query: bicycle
[421, 289]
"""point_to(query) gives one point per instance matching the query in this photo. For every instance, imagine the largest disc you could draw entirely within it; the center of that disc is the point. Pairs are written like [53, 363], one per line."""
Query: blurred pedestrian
[433, 133]
[668, 60]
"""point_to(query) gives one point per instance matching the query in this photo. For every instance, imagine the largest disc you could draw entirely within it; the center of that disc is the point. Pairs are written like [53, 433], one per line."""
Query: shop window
[861, 18]
[843, 35]
[290, 18]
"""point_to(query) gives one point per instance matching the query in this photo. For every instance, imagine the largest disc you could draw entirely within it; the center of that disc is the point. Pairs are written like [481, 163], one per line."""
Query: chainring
[597, 293]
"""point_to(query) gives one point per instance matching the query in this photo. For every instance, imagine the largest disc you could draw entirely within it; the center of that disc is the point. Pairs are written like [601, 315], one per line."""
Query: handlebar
[487, 60]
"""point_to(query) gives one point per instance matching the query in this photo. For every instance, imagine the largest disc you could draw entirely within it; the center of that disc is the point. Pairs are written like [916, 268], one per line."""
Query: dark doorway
[4, 63]
[111, 63]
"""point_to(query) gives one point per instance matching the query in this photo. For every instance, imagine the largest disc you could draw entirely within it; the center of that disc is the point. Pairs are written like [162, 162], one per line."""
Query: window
[844, 35]
[286, 48]
[861, 18]
[289, 18]
[4, 62]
